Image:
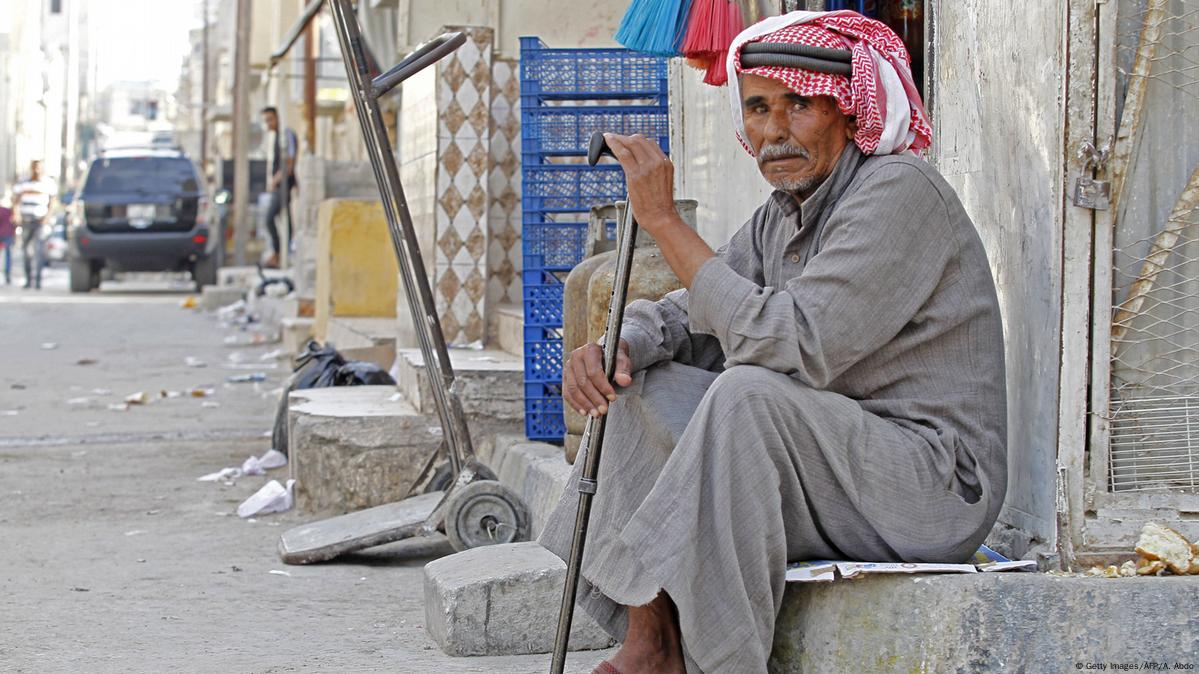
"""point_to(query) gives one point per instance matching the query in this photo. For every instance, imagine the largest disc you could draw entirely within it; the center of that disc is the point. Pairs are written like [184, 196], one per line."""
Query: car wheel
[204, 272]
[81, 275]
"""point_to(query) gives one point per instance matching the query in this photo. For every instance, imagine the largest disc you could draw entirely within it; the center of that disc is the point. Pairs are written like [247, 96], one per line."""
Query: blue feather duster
[654, 26]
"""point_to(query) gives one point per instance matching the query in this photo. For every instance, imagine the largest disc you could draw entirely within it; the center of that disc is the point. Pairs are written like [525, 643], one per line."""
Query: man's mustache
[780, 151]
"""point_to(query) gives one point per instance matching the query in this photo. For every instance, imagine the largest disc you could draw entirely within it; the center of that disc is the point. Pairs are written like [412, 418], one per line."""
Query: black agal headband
[786, 55]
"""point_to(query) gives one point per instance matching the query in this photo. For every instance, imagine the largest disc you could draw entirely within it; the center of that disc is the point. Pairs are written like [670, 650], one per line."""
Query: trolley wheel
[443, 476]
[485, 512]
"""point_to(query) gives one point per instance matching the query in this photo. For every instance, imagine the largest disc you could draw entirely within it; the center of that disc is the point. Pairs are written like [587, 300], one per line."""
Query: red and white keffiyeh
[881, 93]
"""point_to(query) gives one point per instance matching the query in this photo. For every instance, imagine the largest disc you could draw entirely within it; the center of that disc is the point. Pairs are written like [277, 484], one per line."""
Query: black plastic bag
[321, 367]
[361, 373]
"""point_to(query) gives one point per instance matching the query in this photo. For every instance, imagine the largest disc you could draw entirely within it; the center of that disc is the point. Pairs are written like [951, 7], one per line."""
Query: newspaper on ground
[985, 560]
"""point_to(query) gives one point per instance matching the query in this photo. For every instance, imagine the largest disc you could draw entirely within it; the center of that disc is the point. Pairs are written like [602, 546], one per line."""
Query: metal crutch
[593, 433]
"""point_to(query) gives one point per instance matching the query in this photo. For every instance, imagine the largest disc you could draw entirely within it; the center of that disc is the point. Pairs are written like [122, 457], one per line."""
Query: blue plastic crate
[543, 355]
[543, 301]
[589, 73]
[570, 187]
[553, 245]
[568, 130]
[543, 413]
[561, 95]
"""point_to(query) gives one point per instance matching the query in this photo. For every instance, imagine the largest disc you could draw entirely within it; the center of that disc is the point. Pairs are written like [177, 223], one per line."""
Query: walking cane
[593, 433]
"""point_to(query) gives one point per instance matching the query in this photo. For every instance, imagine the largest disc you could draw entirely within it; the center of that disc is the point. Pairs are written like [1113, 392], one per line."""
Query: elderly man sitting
[830, 384]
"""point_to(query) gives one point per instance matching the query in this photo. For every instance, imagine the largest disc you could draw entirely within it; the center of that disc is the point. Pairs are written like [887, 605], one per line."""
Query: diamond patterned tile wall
[503, 216]
[464, 96]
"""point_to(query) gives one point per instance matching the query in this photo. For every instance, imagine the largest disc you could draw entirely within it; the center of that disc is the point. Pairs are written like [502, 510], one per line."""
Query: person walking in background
[282, 182]
[8, 234]
[33, 205]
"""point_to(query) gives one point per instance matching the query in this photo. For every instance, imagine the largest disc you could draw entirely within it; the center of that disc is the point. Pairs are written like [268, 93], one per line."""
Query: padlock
[1091, 193]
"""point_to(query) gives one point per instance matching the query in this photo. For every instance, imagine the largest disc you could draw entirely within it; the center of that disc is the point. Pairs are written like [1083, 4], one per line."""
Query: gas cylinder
[588, 290]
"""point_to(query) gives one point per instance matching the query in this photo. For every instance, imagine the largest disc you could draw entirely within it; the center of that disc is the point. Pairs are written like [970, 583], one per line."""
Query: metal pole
[310, 87]
[204, 101]
[241, 133]
[403, 236]
[593, 438]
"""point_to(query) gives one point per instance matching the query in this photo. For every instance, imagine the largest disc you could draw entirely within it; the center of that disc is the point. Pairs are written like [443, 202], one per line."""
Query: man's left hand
[650, 176]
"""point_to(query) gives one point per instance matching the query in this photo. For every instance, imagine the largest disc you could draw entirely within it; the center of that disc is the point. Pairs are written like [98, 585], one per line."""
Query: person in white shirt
[33, 205]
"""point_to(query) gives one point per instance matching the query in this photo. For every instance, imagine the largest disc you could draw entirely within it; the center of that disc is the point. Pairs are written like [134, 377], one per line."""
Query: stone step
[490, 383]
[510, 328]
[372, 339]
[985, 622]
[354, 447]
[501, 600]
[295, 334]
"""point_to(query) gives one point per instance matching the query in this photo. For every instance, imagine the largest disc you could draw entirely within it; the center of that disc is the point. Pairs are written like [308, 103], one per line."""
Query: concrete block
[237, 277]
[538, 473]
[295, 334]
[215, 297]
[490, 383]
[501, 600]
[356, 269]
[510, 329]
[495, 446]
[985, 622]
[355, 447]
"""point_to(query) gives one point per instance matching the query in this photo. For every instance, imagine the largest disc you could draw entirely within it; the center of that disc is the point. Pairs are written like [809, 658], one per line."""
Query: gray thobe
[831, 387]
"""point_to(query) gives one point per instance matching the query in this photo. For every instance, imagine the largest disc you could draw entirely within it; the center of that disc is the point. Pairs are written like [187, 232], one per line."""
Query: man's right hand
[584, 386]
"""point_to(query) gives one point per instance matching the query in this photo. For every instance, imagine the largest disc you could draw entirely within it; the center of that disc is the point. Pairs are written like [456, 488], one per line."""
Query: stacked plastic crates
[565, 96]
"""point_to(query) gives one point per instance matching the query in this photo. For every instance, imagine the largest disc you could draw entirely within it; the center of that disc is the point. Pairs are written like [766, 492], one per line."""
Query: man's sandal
[605, 667]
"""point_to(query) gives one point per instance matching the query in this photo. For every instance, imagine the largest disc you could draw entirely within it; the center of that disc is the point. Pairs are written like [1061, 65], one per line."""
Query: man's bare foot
[653, 644]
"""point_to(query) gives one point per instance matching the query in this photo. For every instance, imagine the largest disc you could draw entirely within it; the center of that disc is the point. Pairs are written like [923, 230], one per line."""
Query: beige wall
[570, 23]
[711, 166]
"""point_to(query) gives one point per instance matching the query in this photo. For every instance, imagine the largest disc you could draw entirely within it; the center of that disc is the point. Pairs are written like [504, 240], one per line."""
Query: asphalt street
[116, 559]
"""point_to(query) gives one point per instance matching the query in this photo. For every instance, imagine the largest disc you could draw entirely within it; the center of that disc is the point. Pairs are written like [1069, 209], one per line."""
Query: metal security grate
[1155, 444]
[1154, 414]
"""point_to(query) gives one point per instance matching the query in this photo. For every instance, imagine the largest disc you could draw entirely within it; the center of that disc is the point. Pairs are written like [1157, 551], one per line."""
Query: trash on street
[226, 475]
[247, 378]
[272, 498]
[258, 465]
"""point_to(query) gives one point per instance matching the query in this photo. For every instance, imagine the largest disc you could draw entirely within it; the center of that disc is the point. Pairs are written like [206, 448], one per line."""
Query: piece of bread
[1158, 542]
[1128, 569]
[1149, 567]
[1194, 570]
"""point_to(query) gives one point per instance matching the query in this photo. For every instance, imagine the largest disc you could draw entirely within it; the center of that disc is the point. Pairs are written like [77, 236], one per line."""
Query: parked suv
[142, 210]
